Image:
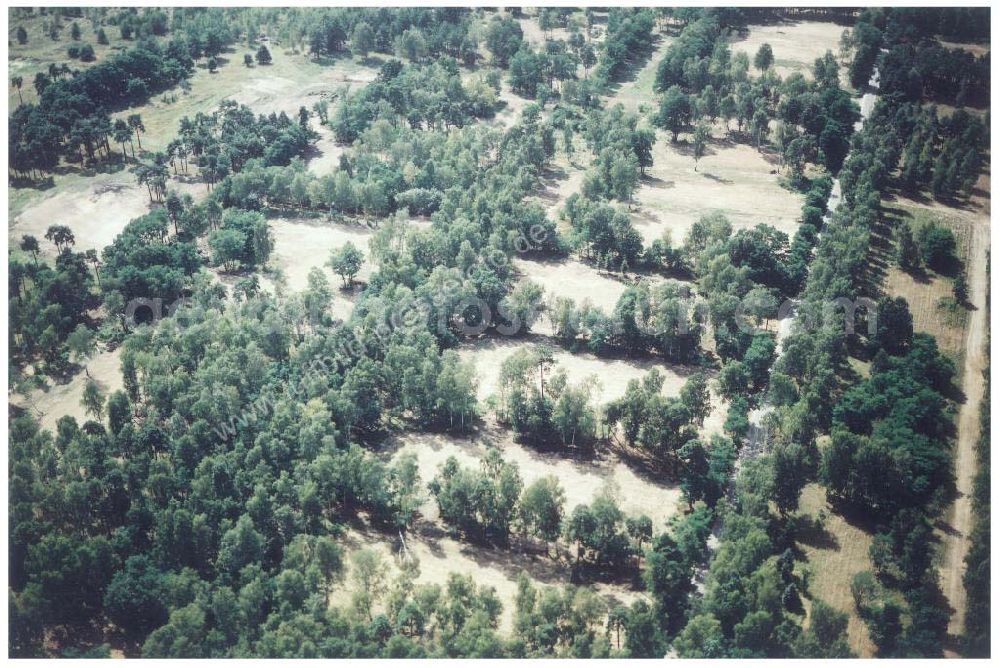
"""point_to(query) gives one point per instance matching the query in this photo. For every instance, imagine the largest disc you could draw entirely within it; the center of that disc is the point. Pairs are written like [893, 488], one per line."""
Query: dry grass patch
[291, 81]
[26, 60]
[975, 49]
[575, 280]
[438, 556]
[796, 44]
[833, 557]
[613, 375]
[95, 208]
[637, 93]
[732, 178]
[926, 292]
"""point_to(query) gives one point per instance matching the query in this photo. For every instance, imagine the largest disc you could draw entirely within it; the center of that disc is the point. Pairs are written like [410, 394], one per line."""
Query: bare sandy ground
[796, 44]
[581, 479]
[96, 209]
[300, 244]
[326, 152]
[48, 405]
[439, 554]
[613, 375]
[573, 279]
[732, 178]
[561, 180]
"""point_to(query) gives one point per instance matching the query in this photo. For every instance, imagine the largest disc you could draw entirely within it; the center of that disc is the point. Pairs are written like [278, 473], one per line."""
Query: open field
[975, 49]
[439, 555]
[613, 375]
[574, 279]
[26, 60]
[924, 291]
[796, 44]
[95, 208]
[636, 94]
[834, 556]
[291, 81]
[302, 243]
[734, 179]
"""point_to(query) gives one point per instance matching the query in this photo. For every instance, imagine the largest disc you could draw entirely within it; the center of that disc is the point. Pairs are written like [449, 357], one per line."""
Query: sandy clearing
[956, 541]
[439, 555]
[573, 279]
[796, 44]
[581, 479]
[302, 243]
[510, 114]
[48, 405]
[560, 180]
[975, 49]
[97, 211]
[613, 375]
[732, 178]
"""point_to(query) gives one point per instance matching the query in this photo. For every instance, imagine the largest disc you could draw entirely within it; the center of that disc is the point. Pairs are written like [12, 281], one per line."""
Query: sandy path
[956, 541]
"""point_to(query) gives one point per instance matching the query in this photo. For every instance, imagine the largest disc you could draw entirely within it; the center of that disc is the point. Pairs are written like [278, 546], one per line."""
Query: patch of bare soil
[301, 244]
[732, 178]
[325, 154]
[440, 554]
[575, 280]
[613, 375]
[59, 399]
[97, 213]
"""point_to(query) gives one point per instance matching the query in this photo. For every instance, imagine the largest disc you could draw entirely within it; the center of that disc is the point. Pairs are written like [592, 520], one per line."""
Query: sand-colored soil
[291, 81]
[48, 405]
[612, 375]
[300, 244]
[96, 209]
[796, 44]
[581, 479]
[735, 179]
[325, 154]
[439, 554]
[563, 178]
[574, 279]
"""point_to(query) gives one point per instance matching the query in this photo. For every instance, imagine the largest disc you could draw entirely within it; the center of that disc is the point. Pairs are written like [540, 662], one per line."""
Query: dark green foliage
[629, 35]
[889, 447]
[442, 101]
[263, 55]
[481, 504]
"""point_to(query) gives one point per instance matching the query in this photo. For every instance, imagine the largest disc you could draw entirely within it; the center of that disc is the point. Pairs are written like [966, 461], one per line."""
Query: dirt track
[956, 542]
